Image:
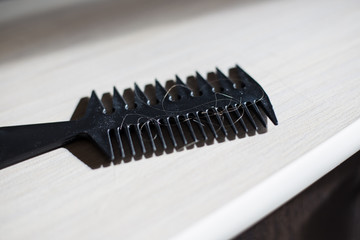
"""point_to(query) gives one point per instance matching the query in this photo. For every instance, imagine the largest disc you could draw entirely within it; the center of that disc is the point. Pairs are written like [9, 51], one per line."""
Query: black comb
[236, 104]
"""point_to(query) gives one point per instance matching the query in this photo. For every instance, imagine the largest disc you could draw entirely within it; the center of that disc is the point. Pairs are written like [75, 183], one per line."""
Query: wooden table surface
[305, 54]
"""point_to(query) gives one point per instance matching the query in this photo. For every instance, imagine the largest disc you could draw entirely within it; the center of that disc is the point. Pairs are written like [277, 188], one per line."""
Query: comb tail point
[269, 111]
[272, 116]
[265, 101]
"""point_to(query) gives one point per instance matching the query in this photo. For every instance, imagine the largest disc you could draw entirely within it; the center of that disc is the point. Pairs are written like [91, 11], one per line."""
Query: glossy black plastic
[19, 143]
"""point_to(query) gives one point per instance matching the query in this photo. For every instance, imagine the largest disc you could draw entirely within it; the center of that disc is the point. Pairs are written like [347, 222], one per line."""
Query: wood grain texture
[304, 54]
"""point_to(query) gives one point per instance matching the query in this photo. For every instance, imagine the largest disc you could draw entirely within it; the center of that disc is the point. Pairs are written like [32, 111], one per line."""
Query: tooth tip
[275, 121]
[198, 75]
[239, 68]
[219, 72]
[136, 86]
[159, 87]
[94, 96]
[178, 80]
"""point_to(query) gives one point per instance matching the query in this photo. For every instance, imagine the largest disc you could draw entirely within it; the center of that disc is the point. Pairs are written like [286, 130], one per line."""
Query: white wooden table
[305, 54]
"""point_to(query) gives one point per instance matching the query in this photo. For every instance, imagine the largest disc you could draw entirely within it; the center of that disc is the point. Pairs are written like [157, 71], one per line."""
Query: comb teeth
[189, 118]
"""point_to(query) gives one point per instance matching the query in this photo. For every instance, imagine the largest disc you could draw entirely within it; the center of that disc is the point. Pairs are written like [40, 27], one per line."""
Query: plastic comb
[241, 105]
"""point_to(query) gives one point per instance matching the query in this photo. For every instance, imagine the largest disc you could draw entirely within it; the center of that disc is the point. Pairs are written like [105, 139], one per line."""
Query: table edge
[245, 210]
